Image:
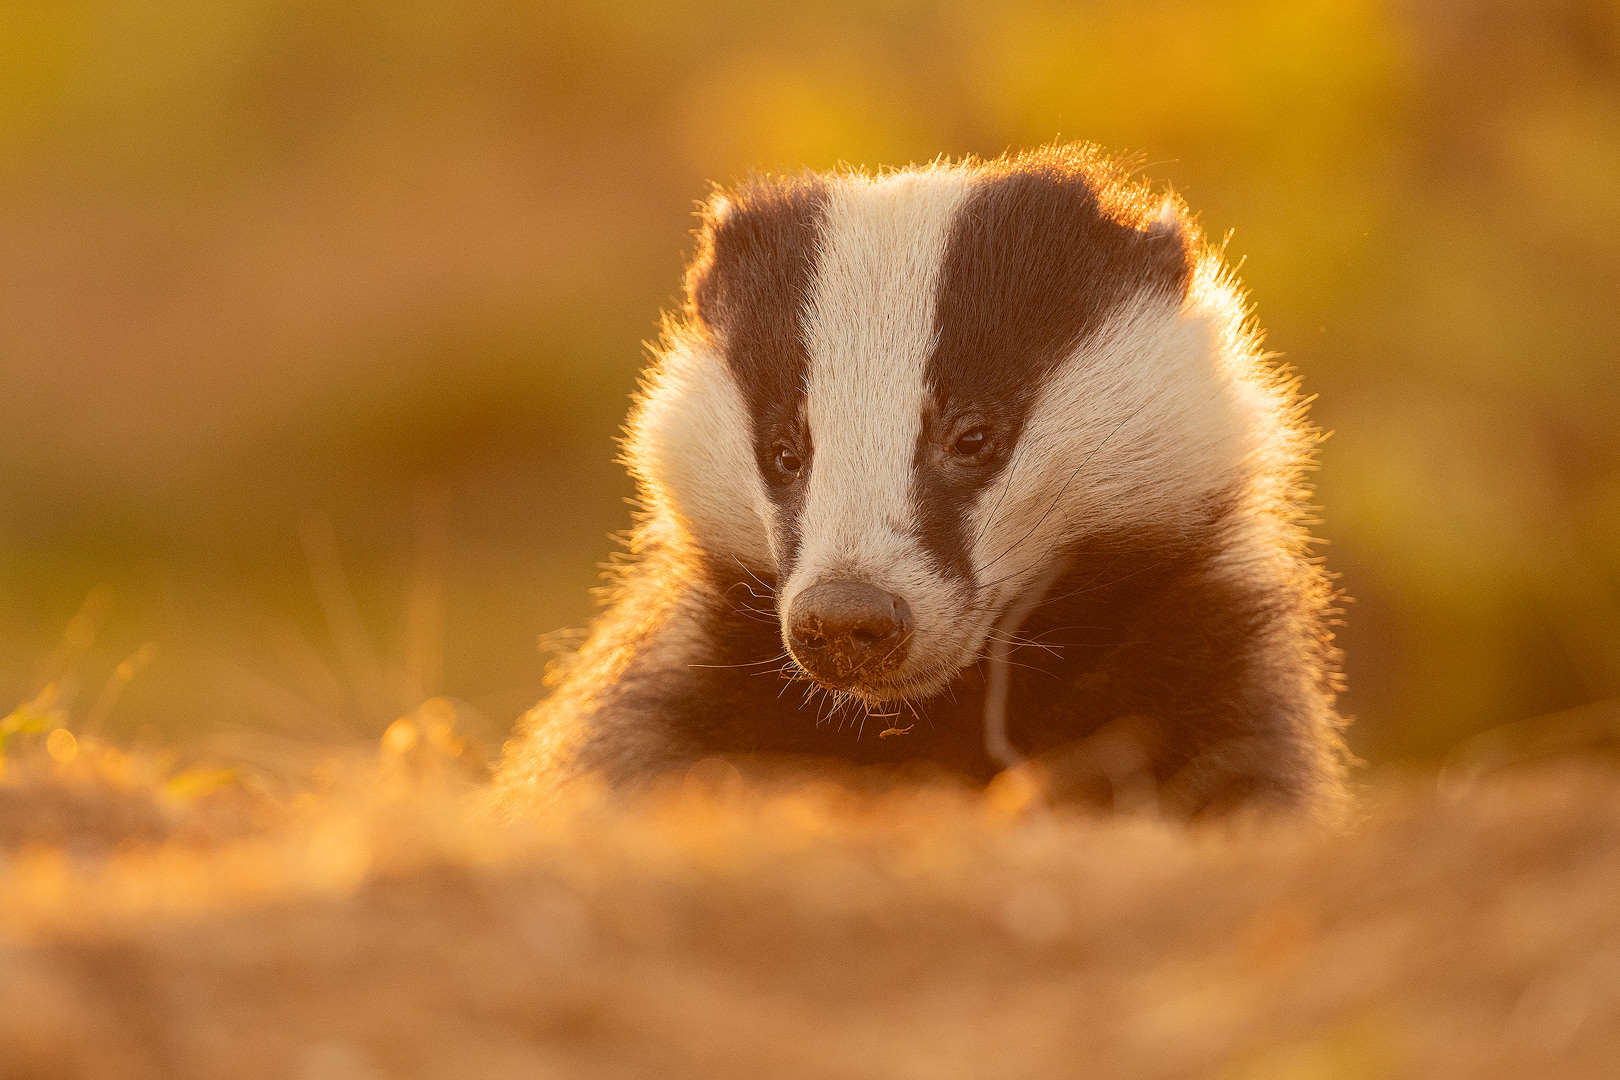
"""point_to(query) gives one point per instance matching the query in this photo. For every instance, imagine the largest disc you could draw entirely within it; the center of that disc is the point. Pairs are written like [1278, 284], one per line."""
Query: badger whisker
[1016, 642]
[747, 664]
[926, 718]
[986, 656]
[1006, 486]
[1091, 588]
[752, 613]
[1063, 629]
[1016, 573]
[771, 589]
[1056, 499]
[748, 611]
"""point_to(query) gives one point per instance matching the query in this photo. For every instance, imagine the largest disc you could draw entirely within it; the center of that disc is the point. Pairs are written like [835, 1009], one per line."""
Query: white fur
[1141, 426]
[690, 448]
[869, 333]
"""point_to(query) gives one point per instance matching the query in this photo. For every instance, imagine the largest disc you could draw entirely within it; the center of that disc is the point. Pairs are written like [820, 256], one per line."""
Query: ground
[365, 915]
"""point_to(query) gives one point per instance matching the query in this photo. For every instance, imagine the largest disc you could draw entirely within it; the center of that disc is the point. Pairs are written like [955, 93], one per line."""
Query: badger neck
[1002, 639]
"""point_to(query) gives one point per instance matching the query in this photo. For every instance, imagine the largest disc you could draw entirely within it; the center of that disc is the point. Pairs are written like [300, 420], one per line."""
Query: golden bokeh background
[318, 320]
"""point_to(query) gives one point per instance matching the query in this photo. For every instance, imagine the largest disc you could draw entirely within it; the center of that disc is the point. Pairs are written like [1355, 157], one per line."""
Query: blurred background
[318, 319]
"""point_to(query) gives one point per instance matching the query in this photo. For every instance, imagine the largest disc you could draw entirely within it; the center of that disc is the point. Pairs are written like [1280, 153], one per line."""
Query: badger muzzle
[846, 632]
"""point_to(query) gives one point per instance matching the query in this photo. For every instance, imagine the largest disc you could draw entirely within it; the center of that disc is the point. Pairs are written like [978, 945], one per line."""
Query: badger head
[901, 400]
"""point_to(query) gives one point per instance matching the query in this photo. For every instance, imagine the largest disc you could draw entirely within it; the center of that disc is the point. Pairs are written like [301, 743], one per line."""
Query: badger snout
[842, 631]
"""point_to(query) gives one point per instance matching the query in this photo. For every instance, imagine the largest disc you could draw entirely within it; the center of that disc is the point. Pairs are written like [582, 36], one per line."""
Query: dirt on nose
[840, 630]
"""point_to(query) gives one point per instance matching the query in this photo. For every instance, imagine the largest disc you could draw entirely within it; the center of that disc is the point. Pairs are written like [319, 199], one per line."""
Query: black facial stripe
[749, 285]
[777, 425]
[1043, 250]
[940, 494]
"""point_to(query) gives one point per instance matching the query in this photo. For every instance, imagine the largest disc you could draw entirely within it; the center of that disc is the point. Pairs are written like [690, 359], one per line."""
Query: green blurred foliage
[265, 262]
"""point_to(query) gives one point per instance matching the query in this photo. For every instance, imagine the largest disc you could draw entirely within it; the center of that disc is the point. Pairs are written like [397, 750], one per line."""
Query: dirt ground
[367, 917]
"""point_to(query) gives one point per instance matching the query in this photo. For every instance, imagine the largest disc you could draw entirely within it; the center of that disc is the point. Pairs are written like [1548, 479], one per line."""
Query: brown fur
[1191, 660]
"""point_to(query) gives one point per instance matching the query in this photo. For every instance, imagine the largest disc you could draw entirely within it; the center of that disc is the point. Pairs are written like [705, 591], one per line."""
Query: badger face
[902, 400]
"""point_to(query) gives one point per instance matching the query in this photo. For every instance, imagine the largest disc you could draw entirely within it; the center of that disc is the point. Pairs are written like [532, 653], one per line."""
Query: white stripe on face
[869, 331]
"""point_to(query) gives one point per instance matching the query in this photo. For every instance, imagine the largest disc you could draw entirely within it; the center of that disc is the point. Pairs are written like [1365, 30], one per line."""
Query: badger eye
[971, 443]
[788, 463]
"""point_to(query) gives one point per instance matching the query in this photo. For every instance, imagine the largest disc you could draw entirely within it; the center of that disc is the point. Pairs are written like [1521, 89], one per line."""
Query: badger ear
[702, 278]
[1167, 220]
[746, 240]
[1170, 237]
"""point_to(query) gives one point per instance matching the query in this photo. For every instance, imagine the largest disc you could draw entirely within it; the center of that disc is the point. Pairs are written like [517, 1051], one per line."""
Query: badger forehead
[858, 318]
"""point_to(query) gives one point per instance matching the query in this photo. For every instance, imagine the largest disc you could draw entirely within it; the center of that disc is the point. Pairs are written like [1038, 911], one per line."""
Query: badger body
[967, 464]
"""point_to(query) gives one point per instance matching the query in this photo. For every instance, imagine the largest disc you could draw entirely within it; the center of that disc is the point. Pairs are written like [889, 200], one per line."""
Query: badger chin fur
[909, 426]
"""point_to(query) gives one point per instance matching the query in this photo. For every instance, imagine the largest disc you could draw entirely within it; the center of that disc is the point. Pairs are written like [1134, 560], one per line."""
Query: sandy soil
[368, 918]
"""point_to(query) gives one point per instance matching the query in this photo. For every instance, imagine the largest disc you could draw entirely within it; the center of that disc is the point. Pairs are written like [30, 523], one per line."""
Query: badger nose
[840, 629]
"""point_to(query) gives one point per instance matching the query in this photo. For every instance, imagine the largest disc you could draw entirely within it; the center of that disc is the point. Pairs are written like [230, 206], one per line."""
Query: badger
[970, 465]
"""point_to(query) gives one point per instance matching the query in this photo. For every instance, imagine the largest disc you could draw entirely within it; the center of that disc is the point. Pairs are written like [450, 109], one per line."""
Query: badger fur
[968, 464]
